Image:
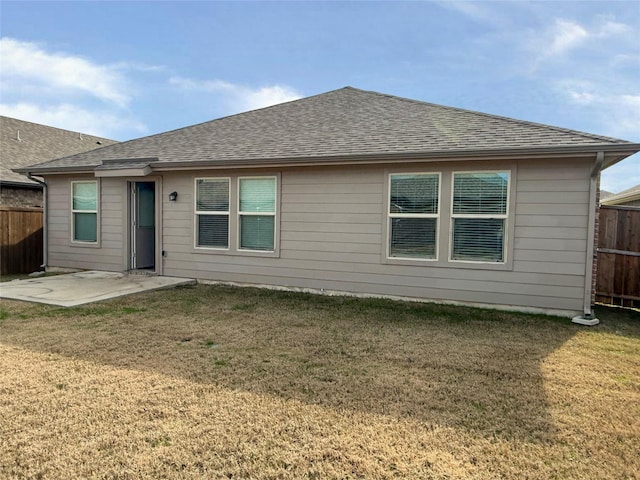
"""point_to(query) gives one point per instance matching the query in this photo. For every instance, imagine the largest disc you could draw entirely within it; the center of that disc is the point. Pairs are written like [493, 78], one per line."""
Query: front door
[143, 229]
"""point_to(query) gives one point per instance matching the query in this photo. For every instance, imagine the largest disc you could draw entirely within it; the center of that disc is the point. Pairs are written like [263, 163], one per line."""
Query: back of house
[348, 191]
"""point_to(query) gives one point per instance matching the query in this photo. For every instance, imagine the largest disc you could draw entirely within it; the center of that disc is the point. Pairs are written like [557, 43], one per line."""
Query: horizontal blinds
[413, 212]
[417, 193]
[479, 239]
[212, 208]
[413, 237]
[257, 213]
[257, 232]
[480, 193]
[212, 195]
[257, 195]
[213, 231]
[479, 214]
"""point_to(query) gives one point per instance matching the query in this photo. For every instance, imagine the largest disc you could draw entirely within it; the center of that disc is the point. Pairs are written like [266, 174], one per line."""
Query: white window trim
[96, 211]
[391, 215]
[504, 216]
[209, 212]
[263, 214]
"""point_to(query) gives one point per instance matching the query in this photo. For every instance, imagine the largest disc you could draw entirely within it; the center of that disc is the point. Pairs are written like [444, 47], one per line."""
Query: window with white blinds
[84, 211]
[212, 212]
[413, 215]
[479, 214]
[257, 213]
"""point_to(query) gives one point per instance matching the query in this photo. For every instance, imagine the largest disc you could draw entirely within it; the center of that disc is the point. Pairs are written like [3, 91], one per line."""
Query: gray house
[25, 143]
[347, 191]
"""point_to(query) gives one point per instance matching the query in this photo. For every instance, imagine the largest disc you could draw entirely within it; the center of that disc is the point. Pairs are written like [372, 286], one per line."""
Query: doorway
[142, 246]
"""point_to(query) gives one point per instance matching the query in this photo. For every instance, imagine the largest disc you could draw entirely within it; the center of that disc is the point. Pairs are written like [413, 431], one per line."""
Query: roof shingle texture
[24, 143]
[339, 123]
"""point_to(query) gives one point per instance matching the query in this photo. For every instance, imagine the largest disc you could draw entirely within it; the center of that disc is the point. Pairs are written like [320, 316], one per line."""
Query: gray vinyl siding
[332, 235]
[108, 253]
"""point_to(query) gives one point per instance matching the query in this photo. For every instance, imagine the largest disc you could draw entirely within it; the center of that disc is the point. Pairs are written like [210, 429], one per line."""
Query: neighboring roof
[629, 195]
[25, 143]
[605, 194]
[344, 124]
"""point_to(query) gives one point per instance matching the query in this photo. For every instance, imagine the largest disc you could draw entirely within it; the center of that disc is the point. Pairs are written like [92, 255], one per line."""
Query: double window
[252, 223]
[84, 211]
[477, 222]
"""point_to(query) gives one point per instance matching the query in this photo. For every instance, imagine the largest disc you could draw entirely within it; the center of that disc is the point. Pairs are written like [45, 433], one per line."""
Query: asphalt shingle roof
[24, 143]
[625, 196]
[336, 124]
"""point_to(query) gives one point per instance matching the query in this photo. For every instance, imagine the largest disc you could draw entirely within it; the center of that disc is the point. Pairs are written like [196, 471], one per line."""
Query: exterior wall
[12, 196]
[109, 252]
[332, 235]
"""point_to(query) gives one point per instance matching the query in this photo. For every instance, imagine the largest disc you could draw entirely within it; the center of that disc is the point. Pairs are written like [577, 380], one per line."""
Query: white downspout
[588, 318]
[45, 220]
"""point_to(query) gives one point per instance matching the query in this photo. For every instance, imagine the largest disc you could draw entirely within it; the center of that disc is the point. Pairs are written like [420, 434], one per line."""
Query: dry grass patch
[219, 382]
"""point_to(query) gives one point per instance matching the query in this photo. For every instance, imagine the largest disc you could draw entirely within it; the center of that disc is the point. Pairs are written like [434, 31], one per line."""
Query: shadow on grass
[443, 365]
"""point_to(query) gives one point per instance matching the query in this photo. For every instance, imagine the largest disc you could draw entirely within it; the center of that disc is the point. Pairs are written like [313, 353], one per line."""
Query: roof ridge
[41, 125]
[227, 116]
[491, 115]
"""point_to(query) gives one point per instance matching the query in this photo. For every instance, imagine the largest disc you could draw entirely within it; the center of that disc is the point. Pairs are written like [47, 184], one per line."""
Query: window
[413, 215]
[479, 215]
[257, 213]
[212, 212]
[84, 210]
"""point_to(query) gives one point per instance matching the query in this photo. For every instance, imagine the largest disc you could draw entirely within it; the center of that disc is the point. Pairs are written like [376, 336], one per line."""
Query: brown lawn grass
[220, 382]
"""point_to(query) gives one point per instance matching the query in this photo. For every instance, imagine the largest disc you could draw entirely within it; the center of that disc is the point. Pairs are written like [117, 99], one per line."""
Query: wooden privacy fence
[20, 239]
[618, 263]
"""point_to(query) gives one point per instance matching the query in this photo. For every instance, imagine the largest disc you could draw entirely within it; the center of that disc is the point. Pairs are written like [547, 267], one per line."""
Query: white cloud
[71, 117]
[565, 35]
[616, 110]
[239, 98]
[28, 63]
[619, 116]
[610, 28]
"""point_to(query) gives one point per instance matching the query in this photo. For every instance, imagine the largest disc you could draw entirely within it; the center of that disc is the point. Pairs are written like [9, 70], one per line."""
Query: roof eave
[621, 198]
[54, 170]
[613, 154]
[25, 184]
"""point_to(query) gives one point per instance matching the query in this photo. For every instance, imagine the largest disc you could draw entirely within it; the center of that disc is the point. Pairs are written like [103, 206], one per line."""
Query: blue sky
[128, 69]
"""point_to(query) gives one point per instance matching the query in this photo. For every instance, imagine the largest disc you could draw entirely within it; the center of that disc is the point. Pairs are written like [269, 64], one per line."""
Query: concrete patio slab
[79, 288]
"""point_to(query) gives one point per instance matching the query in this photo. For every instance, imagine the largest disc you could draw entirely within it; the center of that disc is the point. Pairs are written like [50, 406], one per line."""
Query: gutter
[45, 230]
[10, 183]
[588, 318]
[616, 152]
